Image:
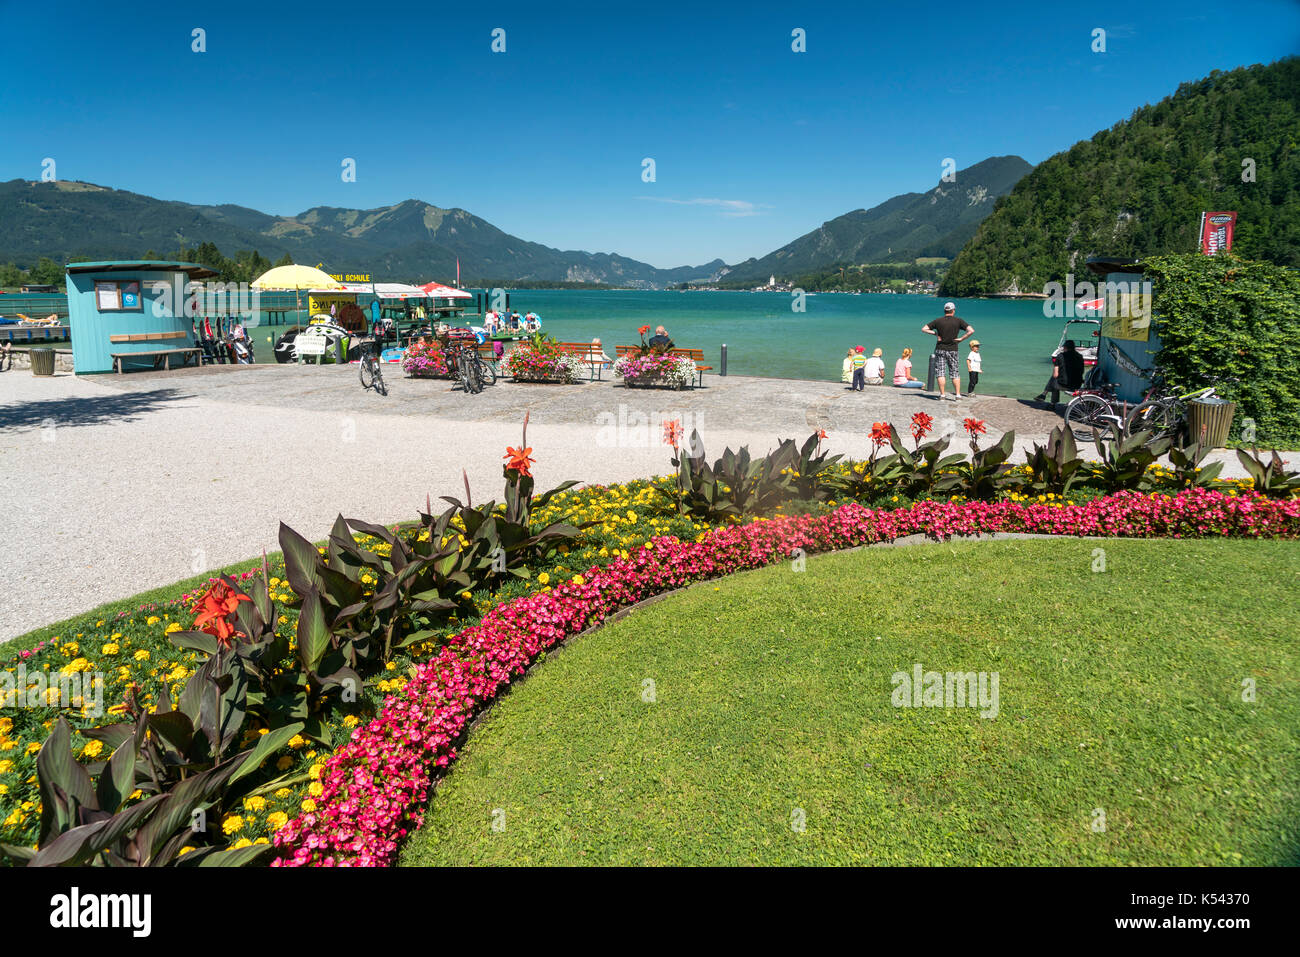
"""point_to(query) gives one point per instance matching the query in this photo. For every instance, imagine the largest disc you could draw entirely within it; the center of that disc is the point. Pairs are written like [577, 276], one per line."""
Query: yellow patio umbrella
[296, 278]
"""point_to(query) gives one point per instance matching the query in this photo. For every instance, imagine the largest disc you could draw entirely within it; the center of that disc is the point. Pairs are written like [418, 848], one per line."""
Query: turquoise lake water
[765, 337]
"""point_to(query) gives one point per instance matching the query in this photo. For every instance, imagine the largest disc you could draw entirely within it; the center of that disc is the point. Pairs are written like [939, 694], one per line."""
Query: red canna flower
[880, 433]
[973, 426]
[519, 460]
[643, 330]
[821, 433]
[216, 605]
[673, 432]
[922, 425]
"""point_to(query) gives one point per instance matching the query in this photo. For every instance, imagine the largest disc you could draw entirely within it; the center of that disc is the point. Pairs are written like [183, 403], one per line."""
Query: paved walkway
[116, 484]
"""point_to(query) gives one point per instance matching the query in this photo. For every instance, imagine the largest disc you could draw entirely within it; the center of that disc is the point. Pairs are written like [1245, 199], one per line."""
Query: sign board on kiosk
[1128, 342]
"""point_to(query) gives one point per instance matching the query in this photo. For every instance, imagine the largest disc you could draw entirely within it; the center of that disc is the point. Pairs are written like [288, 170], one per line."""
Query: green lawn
[1119, 690]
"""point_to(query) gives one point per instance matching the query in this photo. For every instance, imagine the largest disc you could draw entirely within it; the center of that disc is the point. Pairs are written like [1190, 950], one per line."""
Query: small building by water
[130, 309]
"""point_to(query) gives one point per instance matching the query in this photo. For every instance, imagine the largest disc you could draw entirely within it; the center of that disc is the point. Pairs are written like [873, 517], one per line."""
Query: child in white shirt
[973, 366]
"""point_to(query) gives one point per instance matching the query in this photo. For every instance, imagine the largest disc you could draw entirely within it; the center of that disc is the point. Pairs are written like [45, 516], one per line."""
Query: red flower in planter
[519, 460]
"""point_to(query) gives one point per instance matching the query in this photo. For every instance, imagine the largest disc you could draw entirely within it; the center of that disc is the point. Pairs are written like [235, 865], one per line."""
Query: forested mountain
[1228, 142]
[409, 241]
[934, 223]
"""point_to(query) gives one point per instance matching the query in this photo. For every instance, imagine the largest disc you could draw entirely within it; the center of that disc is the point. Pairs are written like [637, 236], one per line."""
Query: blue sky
[753, 143]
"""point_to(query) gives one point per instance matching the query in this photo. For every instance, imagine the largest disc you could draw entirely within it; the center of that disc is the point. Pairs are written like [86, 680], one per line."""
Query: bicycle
[465, 365]
[1164, 414]
[1093, 409]
[372, 367]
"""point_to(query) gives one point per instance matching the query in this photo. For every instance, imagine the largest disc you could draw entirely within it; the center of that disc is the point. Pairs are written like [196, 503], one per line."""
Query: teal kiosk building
[131, 314]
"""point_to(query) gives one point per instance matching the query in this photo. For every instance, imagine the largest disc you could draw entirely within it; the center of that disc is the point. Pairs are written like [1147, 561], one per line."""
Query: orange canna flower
[673, 432]
[880, 433]
[215, 606]
[519, 459]
[973, 426]
[643, 330]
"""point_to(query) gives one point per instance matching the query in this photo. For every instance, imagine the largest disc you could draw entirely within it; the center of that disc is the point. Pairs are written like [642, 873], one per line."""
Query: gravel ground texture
[117, 484]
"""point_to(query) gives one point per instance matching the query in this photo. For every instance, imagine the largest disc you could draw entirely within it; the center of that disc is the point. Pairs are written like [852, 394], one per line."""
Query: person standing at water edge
[948, 328]
[903, 378]
[859, 368]
[973, 362]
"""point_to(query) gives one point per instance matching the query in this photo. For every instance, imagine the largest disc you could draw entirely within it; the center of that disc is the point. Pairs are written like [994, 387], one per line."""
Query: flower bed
[655, 369]
[542, 362]
[373, 789]
[424, 361]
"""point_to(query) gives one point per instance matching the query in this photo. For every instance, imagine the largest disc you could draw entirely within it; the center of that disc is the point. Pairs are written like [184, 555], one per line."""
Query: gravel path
[117, 484]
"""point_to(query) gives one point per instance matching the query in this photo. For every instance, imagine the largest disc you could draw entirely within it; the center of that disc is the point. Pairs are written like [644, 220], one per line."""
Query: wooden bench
[695, 355]
[583, 351]
[161, 357]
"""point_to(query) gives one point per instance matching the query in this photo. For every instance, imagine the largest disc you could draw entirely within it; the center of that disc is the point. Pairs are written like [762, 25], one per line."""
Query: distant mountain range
[410, 241]
[416, 241]
[935, 223]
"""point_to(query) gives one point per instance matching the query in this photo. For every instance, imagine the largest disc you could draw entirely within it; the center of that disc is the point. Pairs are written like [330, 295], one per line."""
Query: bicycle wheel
[487, 372]
[367, 372]
[1084, 414]
[380, 386]
[1158, 417]
[470, 375]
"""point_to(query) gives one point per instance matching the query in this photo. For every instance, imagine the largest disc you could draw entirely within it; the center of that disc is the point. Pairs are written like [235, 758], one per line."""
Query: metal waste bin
[1215, 417]
[929, 375]
[42, 361]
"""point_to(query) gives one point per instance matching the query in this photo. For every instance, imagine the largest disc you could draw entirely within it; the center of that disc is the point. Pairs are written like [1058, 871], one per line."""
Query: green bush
[1226, 316]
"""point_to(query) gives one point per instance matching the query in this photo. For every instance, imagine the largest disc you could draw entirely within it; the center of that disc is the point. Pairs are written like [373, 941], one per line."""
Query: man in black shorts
[948, 328]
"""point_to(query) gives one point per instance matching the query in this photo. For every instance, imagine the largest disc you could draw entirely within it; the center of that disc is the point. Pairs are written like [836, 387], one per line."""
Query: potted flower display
[540, 360]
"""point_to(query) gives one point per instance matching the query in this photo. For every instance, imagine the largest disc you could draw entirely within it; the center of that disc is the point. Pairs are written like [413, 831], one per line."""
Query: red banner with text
[1216, 232]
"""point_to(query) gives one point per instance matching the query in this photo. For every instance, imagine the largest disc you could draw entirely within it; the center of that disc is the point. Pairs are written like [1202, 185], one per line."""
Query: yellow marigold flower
[543, 578]
[242, 842]
[185, 850]
[111, 648]
[174, 627]
[297, 741]
[314, 771]
[231, 823]
[92, 749]
[254, 803]
[579, 580]
[34, 746]
[276, 820]
[142, 655]
[308, 805]
[263, 840]
[351, 721]
[6, 725]
[284, 763]
[152, 620]
[282, 793]
[5, 766]
[315, 789]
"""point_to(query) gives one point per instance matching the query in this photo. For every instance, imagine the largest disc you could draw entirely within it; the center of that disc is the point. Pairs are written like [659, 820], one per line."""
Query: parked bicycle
[467, 366]
[372, 367]
[1164, 413]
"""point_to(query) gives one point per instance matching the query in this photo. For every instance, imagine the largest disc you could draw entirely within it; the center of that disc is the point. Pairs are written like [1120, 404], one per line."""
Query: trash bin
[1215, 417]
[340, 349]
[42, 361]
[929, 375]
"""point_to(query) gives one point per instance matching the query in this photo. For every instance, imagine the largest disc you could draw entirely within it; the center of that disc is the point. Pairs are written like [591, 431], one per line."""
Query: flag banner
[1216, 232]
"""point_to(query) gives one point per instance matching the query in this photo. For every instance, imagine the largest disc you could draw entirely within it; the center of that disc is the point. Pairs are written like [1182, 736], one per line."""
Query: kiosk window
[118, 296]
